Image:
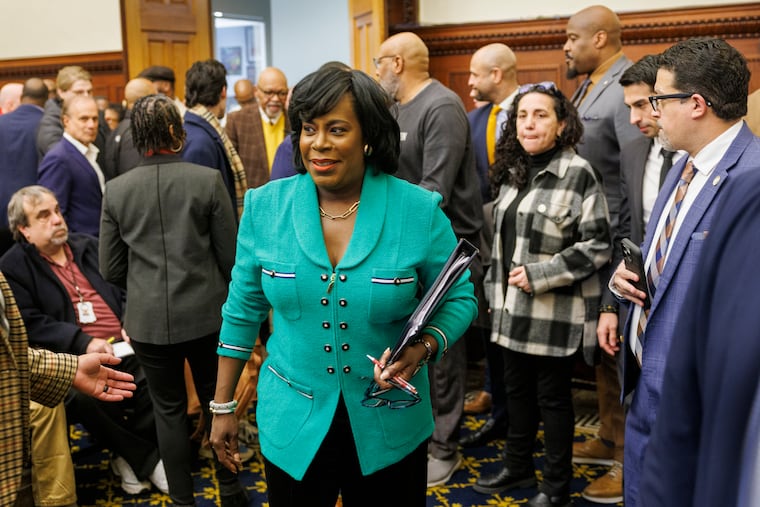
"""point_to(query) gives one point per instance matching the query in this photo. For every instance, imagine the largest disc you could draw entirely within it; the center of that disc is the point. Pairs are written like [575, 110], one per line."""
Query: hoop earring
[367, 150]
[179, 148]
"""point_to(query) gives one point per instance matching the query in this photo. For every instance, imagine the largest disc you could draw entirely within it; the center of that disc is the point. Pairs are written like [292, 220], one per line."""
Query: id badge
[86, 312]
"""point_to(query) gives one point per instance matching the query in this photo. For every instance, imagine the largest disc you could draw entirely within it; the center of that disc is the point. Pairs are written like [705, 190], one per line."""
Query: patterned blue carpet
[97, 486]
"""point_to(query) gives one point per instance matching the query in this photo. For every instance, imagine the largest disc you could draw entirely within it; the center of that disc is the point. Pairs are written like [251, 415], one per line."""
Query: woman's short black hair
[156, 125]
[319, 92]
[512, 162]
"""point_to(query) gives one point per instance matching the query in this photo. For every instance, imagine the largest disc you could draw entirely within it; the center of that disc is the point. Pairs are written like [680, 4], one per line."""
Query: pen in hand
[396, 381]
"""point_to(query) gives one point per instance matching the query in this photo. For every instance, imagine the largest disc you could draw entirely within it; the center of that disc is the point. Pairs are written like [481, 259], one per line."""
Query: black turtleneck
[538, 163]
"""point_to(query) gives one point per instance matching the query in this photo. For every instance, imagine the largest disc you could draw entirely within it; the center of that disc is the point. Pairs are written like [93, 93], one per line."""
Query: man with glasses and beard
[700, 99]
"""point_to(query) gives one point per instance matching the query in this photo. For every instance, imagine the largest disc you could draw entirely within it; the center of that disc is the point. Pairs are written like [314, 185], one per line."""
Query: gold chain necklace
[350, 211]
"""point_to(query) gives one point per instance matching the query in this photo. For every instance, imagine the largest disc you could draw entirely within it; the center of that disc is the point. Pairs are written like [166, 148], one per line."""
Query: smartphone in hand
[635, 262]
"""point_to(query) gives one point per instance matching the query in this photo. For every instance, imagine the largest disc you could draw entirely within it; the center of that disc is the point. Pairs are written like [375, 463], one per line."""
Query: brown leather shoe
[607, 488]
[477, 402]
[593, 451]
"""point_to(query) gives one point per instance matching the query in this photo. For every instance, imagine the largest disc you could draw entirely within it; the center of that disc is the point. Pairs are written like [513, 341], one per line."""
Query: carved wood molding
[645, 27]
[97, 63]
[401, 13]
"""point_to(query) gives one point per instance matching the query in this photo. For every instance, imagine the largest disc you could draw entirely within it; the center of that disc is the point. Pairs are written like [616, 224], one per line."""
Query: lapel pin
[716, 180]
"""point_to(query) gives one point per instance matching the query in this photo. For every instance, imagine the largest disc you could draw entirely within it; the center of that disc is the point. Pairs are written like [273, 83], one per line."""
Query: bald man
[493, 80]
[437, 154]
[121, 154]
[261, 124]
[594, 49]
[10, 97]
[70, 169]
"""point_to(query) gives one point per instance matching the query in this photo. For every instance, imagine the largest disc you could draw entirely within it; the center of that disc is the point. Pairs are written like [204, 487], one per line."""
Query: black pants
[164, 366]
[24, 496]
[539, 388]
[127, 428]
[495, 359]
[335, 470]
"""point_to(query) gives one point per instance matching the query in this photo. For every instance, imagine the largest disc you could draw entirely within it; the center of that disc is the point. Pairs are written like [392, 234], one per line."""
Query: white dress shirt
[651, 181]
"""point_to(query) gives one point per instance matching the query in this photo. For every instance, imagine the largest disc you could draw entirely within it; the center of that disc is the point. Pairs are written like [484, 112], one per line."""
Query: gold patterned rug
[97, 486]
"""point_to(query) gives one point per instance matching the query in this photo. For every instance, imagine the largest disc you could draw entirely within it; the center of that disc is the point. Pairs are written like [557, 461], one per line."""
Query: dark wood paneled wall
[538, 43]
[107, 69]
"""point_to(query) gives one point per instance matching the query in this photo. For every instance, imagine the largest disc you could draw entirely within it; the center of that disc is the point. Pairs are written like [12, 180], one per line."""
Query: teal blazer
[326, 319]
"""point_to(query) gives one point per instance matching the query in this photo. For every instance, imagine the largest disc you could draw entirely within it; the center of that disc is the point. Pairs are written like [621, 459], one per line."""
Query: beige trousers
[52, 469]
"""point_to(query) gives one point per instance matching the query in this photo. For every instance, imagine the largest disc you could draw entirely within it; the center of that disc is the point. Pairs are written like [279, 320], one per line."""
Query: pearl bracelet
[222, 408]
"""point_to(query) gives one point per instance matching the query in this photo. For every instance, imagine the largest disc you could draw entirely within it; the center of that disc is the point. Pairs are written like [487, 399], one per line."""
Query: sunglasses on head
[547, 86]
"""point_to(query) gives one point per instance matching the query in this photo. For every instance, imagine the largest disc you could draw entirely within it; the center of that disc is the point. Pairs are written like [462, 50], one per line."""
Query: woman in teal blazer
[342, 253]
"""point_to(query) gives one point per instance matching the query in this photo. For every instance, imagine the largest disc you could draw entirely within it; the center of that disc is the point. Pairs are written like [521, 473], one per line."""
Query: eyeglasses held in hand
[373, 395]
[547, 86]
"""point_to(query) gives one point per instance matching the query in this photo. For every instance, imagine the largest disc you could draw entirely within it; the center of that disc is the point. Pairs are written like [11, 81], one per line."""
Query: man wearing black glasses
[258, 128]
[701, 96]
[594, 49]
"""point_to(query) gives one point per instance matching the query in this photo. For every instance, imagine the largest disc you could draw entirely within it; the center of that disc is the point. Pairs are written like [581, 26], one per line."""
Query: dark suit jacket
[606, 129]
[666, 319]
[70, 176]
[247, 135]
[18, 153]
[43, 300]
[633, 160]
[121, 154]
[173, 253]
[695, 454]
[478, 128]
[283, 166]
[203, 146]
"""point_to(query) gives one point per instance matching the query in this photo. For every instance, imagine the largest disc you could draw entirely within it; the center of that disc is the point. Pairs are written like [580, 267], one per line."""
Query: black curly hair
[512, 162]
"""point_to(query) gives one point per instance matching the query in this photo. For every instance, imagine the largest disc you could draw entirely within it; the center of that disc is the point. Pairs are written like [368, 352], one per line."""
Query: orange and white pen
[396, 381]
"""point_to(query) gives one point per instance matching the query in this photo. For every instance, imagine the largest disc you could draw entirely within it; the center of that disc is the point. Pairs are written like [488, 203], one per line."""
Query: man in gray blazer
[594, 48]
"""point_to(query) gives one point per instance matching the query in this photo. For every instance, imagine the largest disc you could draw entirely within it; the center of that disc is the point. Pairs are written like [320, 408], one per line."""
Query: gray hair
[16, 215]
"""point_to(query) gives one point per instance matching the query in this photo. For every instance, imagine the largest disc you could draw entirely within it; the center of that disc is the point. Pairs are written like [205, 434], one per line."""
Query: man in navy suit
[701, 96]
[18, 149]
[705, 424]
[493, 79]
[70, 169]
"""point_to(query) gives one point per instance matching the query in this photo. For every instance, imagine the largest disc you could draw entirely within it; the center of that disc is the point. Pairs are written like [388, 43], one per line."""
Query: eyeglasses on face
[655, 99]
[547, 86]
[379, 59]
[283, 94]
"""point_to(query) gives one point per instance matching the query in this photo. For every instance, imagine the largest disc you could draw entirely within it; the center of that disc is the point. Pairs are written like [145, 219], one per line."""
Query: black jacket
[44, 303]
